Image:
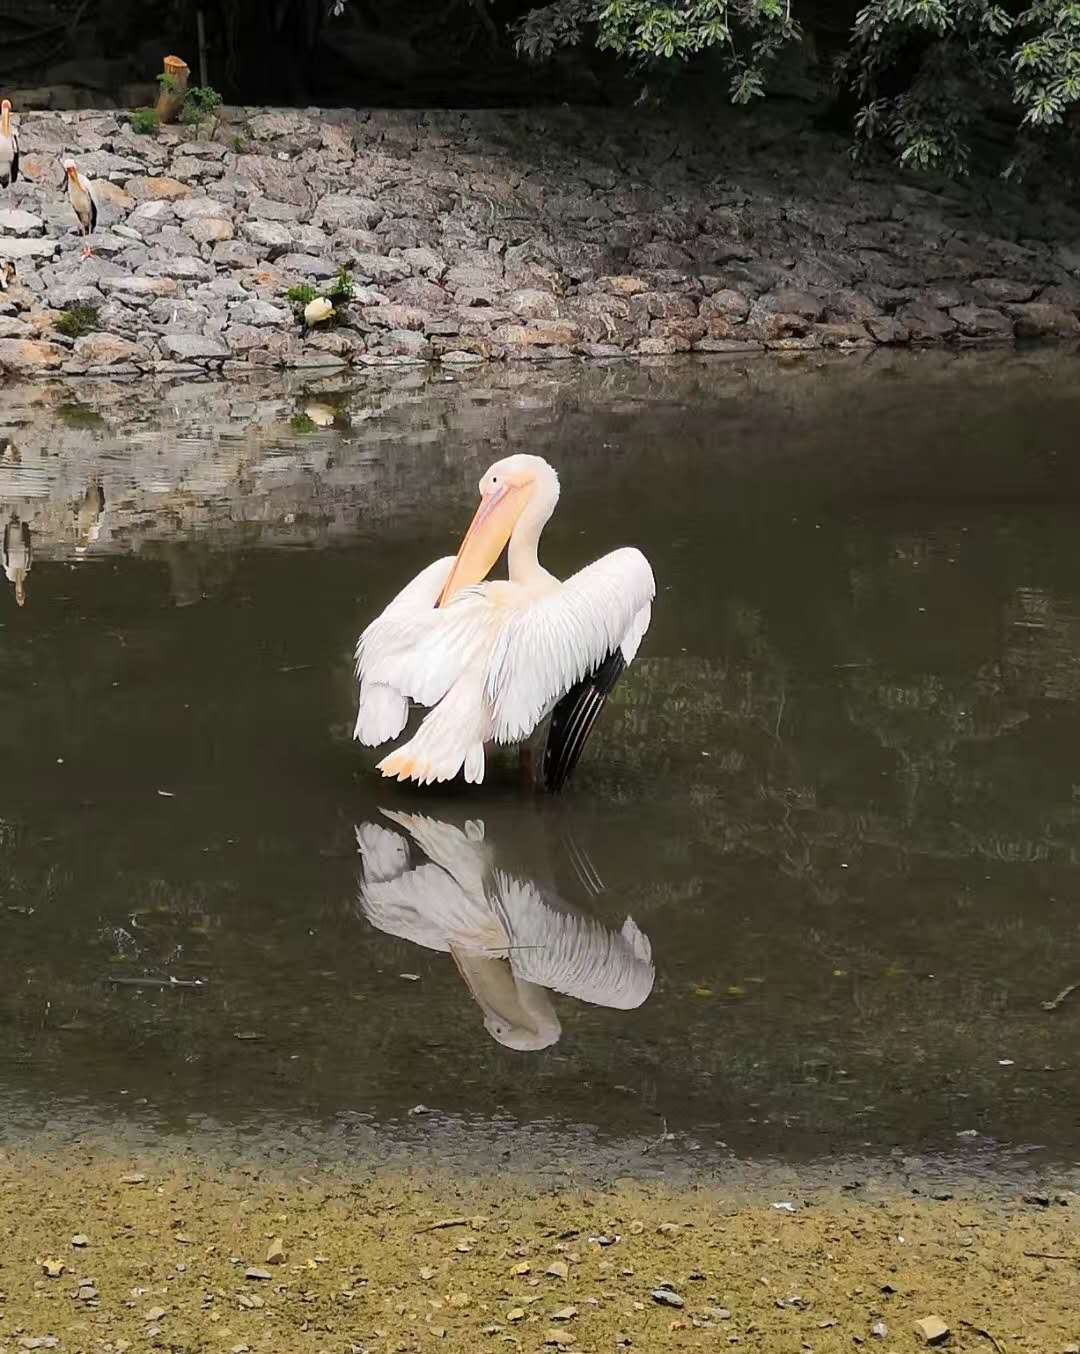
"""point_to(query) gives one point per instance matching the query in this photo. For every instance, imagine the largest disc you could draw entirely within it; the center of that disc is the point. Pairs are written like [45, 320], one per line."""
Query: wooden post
[171, 99]
[200, 23]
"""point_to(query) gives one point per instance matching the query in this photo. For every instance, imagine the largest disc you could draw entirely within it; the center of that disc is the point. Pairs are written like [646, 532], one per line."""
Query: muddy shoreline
[185, 1253]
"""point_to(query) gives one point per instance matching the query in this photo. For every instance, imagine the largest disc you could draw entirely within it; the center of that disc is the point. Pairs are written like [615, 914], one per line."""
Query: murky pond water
[838, 795]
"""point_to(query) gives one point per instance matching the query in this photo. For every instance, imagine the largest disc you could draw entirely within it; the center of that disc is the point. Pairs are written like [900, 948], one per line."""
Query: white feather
[383, 707]
[549, 645]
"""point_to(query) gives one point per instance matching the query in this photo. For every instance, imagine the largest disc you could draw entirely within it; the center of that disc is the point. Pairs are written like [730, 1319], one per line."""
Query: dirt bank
[488, 236]
[182, 1256]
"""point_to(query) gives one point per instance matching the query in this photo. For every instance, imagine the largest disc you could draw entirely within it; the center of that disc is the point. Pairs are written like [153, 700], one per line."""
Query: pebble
[564, 1314]
[879, 1330]
[666, 1297]
[277, 1254]
[54, 1269]
[558, 1269]
[932, 1330]
[80, 1242]
[253, 1272]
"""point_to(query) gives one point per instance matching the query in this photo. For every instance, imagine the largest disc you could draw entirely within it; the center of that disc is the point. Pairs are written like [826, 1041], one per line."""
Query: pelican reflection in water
[512, 944]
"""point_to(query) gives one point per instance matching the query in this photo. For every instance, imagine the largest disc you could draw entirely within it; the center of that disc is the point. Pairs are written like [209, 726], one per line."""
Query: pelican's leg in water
[531, 758]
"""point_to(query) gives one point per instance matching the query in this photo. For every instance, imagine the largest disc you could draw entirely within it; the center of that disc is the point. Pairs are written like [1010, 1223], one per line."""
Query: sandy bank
[183, 1256]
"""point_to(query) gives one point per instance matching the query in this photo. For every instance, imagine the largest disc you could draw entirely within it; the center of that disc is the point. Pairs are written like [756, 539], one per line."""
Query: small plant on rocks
[144, 122]
[301, 423]
[299, 296]
[201, 105]
[341, 289]
[77, 321]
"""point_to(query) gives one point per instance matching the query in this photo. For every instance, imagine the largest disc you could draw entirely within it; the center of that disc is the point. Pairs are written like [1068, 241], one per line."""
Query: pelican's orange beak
[5, 117]
[488, 533]
[71, 171]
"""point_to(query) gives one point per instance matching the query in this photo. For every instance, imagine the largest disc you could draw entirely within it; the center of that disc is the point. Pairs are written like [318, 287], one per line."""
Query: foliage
[201, 104]
[300, 295]
[301, 423]
[144, 122]
[77, 321]
[927, 75]
[341, 289]
[168, 83]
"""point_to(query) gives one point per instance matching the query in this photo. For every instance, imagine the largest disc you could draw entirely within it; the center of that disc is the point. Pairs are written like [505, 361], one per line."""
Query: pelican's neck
[523, 565]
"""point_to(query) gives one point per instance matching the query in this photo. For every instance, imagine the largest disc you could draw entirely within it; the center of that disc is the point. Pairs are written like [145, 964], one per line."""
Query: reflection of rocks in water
[9, 452]
[18, 556]
[1042, 646]
[512, 943]
[195, 573]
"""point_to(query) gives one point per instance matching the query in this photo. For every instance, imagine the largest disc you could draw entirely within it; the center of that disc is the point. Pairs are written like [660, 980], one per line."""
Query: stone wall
[479, 236]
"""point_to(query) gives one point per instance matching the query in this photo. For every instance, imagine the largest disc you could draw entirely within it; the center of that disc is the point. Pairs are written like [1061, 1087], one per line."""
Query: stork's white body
[81, 196]
[510, 944]
[9, 147]
[493, 658]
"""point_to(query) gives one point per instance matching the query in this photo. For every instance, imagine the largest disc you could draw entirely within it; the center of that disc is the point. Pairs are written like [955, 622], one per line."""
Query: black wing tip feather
[573, 718]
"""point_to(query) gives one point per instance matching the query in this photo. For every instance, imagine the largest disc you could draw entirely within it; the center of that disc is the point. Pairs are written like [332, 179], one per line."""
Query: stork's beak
[488, 533]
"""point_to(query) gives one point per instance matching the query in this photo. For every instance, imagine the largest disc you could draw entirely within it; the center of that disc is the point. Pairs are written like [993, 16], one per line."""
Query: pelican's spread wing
[575, 955]
[563, 636]
[384, 656]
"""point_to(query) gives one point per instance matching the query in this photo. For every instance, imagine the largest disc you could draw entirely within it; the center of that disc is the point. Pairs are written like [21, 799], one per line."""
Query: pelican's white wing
[386, 675]
[544, 648]
[568, 953]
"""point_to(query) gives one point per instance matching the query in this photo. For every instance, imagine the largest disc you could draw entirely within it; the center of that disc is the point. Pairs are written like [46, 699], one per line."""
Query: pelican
[82, 201]
[18, 557]
[511, 945]
[9, 147]
[494, 659]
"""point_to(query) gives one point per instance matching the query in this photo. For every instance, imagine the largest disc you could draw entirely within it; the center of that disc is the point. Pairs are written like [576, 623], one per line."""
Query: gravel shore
[104, 1254]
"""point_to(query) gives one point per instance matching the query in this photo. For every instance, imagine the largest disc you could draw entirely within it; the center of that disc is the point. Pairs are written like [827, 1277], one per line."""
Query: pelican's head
[69, 168]
[506, 490]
